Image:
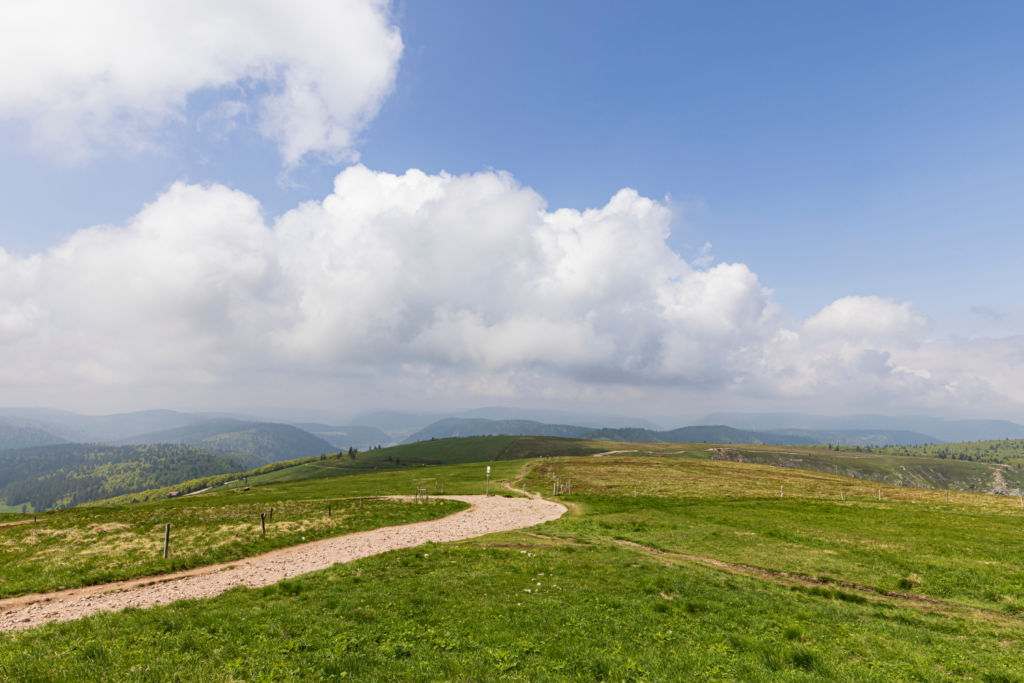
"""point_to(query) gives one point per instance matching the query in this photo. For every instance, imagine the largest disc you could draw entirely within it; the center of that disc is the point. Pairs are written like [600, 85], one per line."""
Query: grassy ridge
[803, 597]
[926, 472]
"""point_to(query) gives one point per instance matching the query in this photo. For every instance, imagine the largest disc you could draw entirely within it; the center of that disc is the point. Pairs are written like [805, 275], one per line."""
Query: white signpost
[488, 480]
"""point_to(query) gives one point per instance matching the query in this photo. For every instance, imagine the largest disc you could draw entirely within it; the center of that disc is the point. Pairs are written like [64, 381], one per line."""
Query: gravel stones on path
[488, 514]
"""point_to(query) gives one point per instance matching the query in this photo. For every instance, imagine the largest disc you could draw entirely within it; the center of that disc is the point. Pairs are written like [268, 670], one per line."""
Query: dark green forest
[64, 475]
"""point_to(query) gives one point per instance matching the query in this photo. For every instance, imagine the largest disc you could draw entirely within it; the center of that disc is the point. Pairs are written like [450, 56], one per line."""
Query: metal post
[167, 539]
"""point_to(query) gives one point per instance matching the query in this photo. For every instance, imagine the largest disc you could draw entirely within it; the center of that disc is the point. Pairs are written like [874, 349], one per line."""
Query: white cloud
[417, 288]
[91, 74]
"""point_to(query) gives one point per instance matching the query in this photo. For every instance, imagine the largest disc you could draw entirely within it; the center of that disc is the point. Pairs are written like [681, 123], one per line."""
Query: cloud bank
[96, 74]
[423, 287]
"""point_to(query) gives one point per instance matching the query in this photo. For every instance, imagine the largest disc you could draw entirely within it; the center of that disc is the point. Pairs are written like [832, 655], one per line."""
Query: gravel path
[489, 514]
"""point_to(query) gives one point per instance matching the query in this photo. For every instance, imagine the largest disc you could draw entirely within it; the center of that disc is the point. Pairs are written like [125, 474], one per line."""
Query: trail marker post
[487, 491]
[782, 491]
[879, 494]
[841, 496]
[167, 539]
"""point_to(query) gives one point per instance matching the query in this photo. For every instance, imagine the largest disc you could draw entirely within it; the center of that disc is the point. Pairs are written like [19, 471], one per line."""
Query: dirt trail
[488, 514]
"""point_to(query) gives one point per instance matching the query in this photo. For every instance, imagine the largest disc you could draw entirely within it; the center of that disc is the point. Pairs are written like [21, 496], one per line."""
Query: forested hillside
[998, 451]
[13, 435]
[71, 474]
[271, 441]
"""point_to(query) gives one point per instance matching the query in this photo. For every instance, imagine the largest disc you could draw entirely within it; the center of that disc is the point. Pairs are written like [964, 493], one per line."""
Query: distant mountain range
[459, 427]
[271, 441]
[784, 437]
[362, 438]
[455, 426]
[401, 426]
[940, 430]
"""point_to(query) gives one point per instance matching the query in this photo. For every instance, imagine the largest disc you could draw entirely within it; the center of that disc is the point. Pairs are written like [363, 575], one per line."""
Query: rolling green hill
[271, 441]
[71, 474]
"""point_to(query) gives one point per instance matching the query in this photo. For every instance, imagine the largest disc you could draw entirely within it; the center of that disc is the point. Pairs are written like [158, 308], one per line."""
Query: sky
[636, 208]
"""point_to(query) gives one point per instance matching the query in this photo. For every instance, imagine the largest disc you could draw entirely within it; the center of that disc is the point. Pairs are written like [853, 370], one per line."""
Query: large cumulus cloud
[425, 285]
[90, 74]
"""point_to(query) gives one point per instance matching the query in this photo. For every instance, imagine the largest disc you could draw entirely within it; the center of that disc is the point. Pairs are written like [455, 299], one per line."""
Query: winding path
[488, 514]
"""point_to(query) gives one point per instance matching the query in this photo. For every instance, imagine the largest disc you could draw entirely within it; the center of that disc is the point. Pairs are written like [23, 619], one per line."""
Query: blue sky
[847, 150]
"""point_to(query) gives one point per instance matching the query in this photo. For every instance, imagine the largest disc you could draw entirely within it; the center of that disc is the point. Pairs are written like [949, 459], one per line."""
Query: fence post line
[167, 539]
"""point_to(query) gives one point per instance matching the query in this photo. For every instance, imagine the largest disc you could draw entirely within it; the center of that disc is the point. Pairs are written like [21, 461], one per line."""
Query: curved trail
[488, 514]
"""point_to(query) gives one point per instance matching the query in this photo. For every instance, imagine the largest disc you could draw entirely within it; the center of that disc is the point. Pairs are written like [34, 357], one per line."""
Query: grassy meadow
[705, 573]
[94, 545]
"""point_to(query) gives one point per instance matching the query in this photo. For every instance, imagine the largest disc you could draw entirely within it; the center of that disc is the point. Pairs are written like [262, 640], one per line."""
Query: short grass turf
[518, 608]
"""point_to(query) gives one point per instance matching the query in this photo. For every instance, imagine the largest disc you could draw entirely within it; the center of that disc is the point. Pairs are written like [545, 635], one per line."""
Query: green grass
[99, 544]
[462, 613]
[813, 588]
[469, 478]
[15, 509]
[88, 546]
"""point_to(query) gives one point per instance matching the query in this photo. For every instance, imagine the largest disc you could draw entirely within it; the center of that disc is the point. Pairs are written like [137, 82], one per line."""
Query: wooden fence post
[841, 496]
[879, 494]
[328, 509]
[263, 522]
[167, 539]
[782, 491]
[270, 517]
